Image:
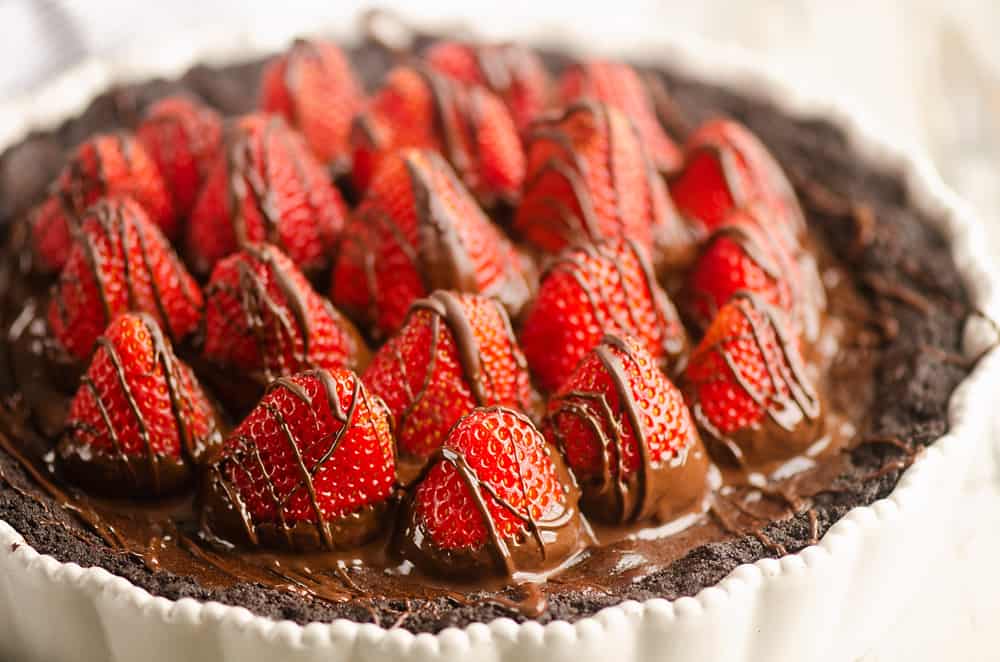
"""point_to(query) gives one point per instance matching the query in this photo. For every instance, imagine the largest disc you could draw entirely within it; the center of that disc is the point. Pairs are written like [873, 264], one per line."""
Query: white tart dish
[828, 602]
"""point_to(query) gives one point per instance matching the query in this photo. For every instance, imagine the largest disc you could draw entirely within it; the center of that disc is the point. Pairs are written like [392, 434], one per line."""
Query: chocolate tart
[898, 307]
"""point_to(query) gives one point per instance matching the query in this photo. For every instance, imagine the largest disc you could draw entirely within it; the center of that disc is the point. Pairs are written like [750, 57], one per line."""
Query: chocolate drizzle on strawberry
[664, 224]
[673, 339]
[794, 412]
[449, 109]
[225, 511]
[259, 309]
[681, 482]
[740, 146]
[554, 540]
[81, 184]
[248, 177]
[442, 260]
[245, 179]
[117, 227]
[162, 473]
[447, 308]
[797, 292]
[255, 298]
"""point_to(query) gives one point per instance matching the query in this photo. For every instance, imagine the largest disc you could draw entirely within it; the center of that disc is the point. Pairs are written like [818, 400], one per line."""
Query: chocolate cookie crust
[862, 213]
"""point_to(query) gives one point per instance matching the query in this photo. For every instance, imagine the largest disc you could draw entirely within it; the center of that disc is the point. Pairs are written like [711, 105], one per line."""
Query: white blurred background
[926, 71]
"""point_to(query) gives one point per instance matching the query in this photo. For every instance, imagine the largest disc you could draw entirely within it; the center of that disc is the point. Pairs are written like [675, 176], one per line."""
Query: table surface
[923, 70]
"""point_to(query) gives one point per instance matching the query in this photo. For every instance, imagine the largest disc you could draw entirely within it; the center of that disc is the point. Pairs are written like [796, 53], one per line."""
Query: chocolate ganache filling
[884, 359]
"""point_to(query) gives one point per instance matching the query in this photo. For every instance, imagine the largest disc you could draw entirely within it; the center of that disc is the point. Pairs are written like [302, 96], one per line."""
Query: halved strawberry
[618, 85]
[591, 291]
[106, 165]
[139, 422]
[184, 139]
[263, 318]
[741, 255]
[313, 87]
[727, 167]
[311, 468]
[628, 436]
[589, 179]
[266, 186]
[514, 73]
[747, 386]
[497, 500]
[120, 262]
[418, 230]
[418, 108]
[455, 352]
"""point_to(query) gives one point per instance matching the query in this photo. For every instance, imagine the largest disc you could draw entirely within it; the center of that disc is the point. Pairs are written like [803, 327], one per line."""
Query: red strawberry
[419, 108]
[618, 85]
[139, 422]
[184, 138]
[266, 186]
[418, 230]
[628, 436]
[263, 317]
[454, 353]
[313, 87]
[514, 73]
[311, 468]
[747, 386]
[589, 179]
[588, 292]
[742, 256]
[51, 237]
[117, 164]
[105, 165]
[497, 500]
[738, 256]
[727, 167]
[120, 262]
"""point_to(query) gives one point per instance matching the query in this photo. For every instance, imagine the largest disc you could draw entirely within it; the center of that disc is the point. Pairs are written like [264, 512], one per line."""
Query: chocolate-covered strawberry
[184, 139]
[105, 165]
[748, 388]
[619, 85]
[418, 230]
[590, 291]
[514, 73]
[628, 436]
[311, 468]
[263, 318]
[120, 262]
[741, 255]
[456, 352]
[497, 500]
[419, 108]
[265, 186]
[139, 422]
[726, 167]
[313, 87]
[589, 178]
